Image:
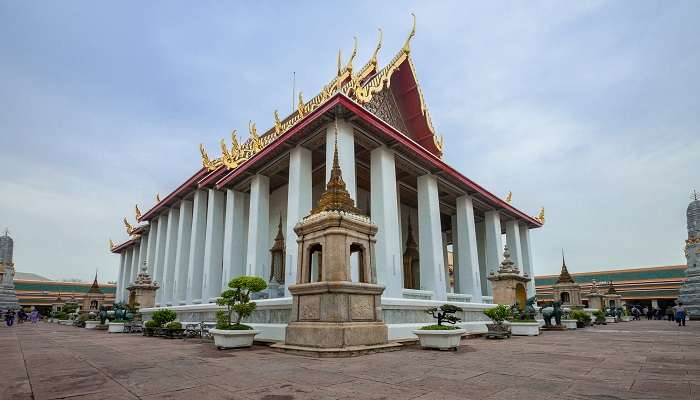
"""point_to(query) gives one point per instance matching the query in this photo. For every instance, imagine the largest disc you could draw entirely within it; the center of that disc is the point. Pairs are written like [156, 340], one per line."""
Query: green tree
[237, 299]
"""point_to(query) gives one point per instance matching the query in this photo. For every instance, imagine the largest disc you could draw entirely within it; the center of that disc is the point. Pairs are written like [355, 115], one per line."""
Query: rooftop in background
[28, 276]
[662, 282]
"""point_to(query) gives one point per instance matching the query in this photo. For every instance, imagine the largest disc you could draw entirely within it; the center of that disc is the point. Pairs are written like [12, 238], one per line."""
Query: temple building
[565, 289]
[237, 213]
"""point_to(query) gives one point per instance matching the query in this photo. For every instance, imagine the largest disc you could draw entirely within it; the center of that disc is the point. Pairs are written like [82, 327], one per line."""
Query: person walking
[680, 314]
[669, 313]
[9, 317]
[34, 316]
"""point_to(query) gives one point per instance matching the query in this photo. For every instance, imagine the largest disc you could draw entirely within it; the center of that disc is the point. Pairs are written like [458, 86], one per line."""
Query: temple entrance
[565, 298]
[520, 296]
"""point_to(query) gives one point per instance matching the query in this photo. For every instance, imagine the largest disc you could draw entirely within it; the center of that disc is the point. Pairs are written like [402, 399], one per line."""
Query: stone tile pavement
[635, 360]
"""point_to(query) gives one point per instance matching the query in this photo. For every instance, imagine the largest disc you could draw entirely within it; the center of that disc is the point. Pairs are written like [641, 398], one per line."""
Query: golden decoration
[254, 138]
[278, 124]
[348, 66]
[157, 198]
[438, 141]
[111, 244]
[407, 45]
[340, 62]
[373, 59]
[509, 197]
[540, 216]
[336, 196]
[210, 165]
[138, 212]
[128, 226]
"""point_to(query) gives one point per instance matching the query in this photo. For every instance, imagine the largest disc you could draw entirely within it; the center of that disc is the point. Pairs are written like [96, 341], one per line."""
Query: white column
[258, 227]
[120, 276]
[432, 272]
[346, 154]
[299, 204]
[127, 270]
[384, 205]
[213, 246]
[159, 257]
[165, 294]
[195, 268]
[494, 245]
[151, 243]
[527, 259]
[455, 254]
[143, 253]
[466, 246]
[182, 253]
[481, 253]
[134, 267]
[445, 263]
[235, 236]
[513, 242]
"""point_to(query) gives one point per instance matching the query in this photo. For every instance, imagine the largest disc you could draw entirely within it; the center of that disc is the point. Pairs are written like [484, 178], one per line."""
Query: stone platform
[633, 360]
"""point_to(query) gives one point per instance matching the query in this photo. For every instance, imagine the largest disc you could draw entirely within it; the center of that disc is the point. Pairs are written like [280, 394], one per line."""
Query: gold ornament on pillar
[137, 212]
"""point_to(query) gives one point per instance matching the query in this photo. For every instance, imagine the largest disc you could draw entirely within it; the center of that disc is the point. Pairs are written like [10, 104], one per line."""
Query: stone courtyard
[636, 360]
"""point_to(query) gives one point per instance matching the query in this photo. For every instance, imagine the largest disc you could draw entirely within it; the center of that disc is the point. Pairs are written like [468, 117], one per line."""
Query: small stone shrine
[595, 298]
[331, 315]
[508, 284]
[275, 286]
[142, 292]
[566, 289]
[612, 298]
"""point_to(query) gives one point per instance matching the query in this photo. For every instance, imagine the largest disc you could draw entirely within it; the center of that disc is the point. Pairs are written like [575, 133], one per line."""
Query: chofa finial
[407, 44]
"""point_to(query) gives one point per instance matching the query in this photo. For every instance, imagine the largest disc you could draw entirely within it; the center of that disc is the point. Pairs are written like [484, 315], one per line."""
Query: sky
[590, 109]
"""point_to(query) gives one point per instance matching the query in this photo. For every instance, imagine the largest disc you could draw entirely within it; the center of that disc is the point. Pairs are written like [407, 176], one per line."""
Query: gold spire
[564, 276]
[407, 44]
[138, 212]
[509, 197]
[340, 62]
[336, 196]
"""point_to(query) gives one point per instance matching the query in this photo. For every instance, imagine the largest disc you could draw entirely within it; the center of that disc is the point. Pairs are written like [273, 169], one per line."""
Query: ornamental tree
[445, 314]
[237, 299]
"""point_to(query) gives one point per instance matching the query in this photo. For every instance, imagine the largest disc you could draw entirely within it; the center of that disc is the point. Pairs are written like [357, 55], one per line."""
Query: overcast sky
[590, 109]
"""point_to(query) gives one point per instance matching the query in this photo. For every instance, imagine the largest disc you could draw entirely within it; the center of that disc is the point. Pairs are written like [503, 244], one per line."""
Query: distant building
[650, 286]
[46, 295]
[690, 292]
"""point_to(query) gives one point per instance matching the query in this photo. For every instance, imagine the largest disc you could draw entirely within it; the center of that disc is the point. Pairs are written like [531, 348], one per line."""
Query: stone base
[331, 335]
[349, 351]
[553, 328]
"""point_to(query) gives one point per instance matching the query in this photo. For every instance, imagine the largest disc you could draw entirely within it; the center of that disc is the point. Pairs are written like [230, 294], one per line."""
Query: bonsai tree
[498, 314]
[163, 317]
[444, 314]
[237, 299]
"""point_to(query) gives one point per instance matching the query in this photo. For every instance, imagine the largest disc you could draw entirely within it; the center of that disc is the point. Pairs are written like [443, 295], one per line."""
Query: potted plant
[583, 319]
[236, 299]
[626, 317]
[600, 318]
[523, 322]
[498, 314]
[62, 318]
[442, 337]
[160, 319]
[149, 328]
[173, 330]
[567, 320]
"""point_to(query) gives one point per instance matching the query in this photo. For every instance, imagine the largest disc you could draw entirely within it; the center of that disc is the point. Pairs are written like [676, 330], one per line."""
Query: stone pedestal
[509, 287]
[595, 301]
[142, 292]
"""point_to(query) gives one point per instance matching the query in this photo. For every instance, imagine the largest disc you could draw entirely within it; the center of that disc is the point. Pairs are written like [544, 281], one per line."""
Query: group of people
[677, 313]
[21, 316]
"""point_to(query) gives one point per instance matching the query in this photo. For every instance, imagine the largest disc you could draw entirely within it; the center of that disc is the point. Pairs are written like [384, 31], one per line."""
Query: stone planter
[609, 320]
[116, 327]
[569, 323]
[229, 339]
[445, 339]
[525, 328]
[496, 331]
[91, 324]
[626, 318]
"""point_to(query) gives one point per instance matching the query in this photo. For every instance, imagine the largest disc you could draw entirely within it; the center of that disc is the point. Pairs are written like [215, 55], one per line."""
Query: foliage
[69, 308]
[438, 328]
[581, 317]
[238, 299]
[162, 317]
[599, 316]
[151, 324]
[60, 315]
[83, 317]
[445, 314]
[499, 313]
[174, 325]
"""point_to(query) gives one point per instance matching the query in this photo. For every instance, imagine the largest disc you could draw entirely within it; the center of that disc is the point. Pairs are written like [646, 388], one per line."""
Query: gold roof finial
[540, 216]
[348, 66]
[206, 162]
[336, 196]
[111, 244]
[138, 212]
[234, 142]
[300, 106]
[509, 197]
[157, 197]
[229, 158]
[340, 62]
[407, 45]
[278, 123]
[254, 138]
[128, 227]
[373, 60]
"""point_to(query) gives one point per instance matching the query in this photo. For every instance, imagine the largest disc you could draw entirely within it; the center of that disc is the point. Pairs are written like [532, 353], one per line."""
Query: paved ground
[635, 360]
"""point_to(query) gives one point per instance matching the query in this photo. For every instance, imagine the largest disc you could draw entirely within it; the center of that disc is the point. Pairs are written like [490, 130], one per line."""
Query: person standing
[680, 314]
[9, 317]
[34, 316]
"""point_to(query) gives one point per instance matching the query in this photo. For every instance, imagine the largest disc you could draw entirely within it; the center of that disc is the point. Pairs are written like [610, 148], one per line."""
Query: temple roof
[95, 288]
[564, 276]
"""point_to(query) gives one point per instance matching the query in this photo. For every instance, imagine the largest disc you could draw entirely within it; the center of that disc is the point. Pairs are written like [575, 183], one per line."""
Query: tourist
[635, 313]
[9, 317]
[645, 312]
[21, 316]
[669, 313]
[680, 314]
[34, 316]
